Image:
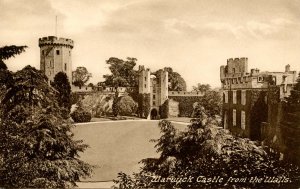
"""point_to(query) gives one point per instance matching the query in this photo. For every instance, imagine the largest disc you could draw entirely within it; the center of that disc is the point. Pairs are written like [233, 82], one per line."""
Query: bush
[204, 149]
[80, 116]
[126, 106]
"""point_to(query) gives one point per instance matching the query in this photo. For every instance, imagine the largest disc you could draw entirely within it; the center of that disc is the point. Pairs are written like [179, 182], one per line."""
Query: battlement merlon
[52, 40]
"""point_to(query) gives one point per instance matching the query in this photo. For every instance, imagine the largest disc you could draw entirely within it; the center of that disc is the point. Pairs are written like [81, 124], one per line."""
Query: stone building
[248, 98]
[157, 87]
[56, 56]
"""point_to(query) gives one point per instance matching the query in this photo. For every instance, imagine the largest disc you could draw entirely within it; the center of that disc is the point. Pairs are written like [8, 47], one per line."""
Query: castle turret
[144, 80]
[56, 56]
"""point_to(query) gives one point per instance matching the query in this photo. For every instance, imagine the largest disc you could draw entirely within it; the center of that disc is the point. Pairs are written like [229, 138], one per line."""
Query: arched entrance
[154, 114]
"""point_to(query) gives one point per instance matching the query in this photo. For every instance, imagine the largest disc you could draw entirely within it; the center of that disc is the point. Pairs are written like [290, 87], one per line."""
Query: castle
[56, 56]
[251, 100]
[157, 87]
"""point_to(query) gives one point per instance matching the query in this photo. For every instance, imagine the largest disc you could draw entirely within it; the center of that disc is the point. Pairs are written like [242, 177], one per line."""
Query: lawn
[117, 146]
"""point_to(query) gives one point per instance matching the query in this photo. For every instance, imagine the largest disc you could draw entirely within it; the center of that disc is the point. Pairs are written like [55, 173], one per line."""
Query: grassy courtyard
[118, 145]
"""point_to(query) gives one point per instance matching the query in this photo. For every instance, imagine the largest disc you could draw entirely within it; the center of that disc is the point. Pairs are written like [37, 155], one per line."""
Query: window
[243, 97]
[260, 79]
[65, 66]
[234, 117]
[69, 53]
[234, 97]
[153, 103]
[225, 120]
[233, 70]
[57, 52]
[145, 78]
[153, 97]
[145, 85]
[226, 96]
[243, 120]
[154, 89]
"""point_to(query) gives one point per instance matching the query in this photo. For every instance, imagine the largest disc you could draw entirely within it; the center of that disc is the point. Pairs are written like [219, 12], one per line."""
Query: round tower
[55, 56]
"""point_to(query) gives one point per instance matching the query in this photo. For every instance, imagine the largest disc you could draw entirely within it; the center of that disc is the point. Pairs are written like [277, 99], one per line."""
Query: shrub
[80, 116]
[204, 149]
[126, 106]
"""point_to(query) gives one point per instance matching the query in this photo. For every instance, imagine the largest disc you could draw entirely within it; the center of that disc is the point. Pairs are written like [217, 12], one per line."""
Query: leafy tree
[126, 106]
[122, 73]
[202, 88]
[176, 82]
[207, 150]
[62, 85]
[81, 76]
[91, 85]
[36, 144]
[211, 102]
[290, 124]
[7, 52]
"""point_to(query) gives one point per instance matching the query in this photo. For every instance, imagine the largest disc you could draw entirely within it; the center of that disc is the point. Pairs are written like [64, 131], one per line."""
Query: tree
[205, 150]
[36, 144]
[122, 73]
[176, 82]
[62, 85]
[81, 76]
[126, 106]
[211, 102]
[290, 124]
[7, 52]
[202, 88]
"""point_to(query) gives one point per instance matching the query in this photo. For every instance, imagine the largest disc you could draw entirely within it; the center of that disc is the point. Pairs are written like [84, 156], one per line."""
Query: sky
[194, 37]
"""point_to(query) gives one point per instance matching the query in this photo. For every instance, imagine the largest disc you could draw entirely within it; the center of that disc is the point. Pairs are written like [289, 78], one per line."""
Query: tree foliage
[126, 106]
[122, 73]
[62, 85]
[202, 88]
[176, 82]
[290, 124]
[206, 150]
[81, 76]
[7, 52]
[36, 144]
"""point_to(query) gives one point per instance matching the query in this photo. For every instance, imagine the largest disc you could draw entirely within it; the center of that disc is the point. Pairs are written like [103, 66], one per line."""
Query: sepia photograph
[146, 94]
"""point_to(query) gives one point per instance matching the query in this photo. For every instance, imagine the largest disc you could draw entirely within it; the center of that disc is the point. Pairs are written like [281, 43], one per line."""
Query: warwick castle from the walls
[251, 99]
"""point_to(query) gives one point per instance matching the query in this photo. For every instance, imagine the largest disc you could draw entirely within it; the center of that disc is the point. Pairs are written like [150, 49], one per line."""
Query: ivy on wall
[164, 110]
[186, 104]
[143, 105]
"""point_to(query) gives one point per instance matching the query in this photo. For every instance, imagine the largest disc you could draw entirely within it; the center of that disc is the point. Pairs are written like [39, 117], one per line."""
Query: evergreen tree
[62, 85]
[290, 124]
[36, 144]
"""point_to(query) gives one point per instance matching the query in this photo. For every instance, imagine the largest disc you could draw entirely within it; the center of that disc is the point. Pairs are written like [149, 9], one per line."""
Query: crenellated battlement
[53, 40]
[185, 93]
[237, 60]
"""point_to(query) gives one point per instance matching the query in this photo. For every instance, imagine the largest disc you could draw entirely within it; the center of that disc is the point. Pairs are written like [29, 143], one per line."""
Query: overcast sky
[194, 37]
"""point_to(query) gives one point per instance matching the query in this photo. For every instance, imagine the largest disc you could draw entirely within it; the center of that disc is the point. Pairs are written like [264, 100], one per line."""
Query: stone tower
[162, 82]
[56, 56]
[144, 80]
